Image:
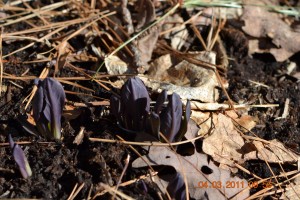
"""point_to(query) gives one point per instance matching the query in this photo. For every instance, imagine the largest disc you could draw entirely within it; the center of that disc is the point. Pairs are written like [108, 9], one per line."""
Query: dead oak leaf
[261, 23]
[198, 170]
[225, 142]
[146, 42]
[272, 151]
[184, 78]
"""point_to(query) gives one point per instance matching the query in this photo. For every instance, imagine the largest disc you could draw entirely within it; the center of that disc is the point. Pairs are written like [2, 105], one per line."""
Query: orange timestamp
[233, 184]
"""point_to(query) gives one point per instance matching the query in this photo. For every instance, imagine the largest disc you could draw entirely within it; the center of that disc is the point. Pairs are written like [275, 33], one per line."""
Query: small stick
[76, 192]
[144, 143]
[112, 191]
[122, 174]
[1, 61]
[285, 110]
[73, 191]
[79, 136]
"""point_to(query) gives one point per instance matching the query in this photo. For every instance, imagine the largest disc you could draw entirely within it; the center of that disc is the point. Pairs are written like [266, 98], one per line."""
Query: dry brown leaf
[194, 167]
[273, 151]
[71, 112]
[226, 145]
[247, 122]
[82, 57]
[160, 65]
[146, 45]
[179, 35]
[147, 42]
[292, 190]
[126, 17]
[186, 79]
[261, 23]
[203, 119]
[225, 142]
[116, 66]
[146, 13]
[30, 119]
[254, 47]
[63, 52]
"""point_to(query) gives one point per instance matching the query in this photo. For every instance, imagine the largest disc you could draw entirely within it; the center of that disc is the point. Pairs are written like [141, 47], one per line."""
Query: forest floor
[253, 55]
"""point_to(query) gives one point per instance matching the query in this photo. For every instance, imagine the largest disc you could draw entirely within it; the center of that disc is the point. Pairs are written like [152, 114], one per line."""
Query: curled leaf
[47, 107]
[20, 158]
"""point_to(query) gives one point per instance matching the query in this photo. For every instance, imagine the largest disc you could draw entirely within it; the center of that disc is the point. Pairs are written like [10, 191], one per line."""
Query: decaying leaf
[186, 79]
[201, 173]
[203, 119]
[273, 151]
[246, 122]
[71, 112]
[146, 13]
[179, 35]
[116, 66]
[126, 17]
[292, 190]
[226, 145]
[147, 42]
[63, 51]
[225, 142]
[261, 23]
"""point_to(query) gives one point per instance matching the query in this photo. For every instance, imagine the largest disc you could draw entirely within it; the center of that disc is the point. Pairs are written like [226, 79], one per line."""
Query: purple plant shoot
[135, 104]
[47, 106]
[20, 158]
[170, 117]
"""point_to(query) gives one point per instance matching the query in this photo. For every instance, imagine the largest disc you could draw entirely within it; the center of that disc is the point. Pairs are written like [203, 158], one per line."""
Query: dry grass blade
[128, 183]
[145, 143]
[75, 191]
[40, 11]
[83, 94]
[113, 191]
[122, 174]
[76, 85]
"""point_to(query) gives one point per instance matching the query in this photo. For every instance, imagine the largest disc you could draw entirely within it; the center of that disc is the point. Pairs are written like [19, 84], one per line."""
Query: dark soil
[58, 167]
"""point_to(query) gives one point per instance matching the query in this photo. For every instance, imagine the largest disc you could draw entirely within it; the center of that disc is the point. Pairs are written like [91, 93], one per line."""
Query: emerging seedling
[133, 112]
[48, 104]
[20, 158]
[134, 105]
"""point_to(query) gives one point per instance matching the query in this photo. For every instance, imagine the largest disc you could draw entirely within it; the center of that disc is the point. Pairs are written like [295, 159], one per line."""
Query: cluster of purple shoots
[134, 112]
